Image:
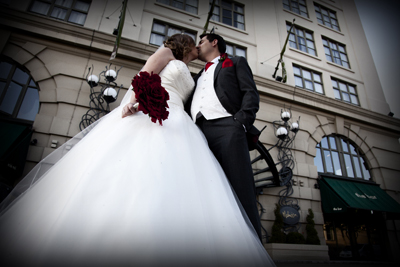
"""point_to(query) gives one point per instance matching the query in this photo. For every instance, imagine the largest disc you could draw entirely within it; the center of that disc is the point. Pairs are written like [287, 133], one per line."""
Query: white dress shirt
[205, 99]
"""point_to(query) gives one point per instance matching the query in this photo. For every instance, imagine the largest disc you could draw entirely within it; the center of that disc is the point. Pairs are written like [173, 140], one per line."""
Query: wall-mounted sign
[290, 215]
[365, 196]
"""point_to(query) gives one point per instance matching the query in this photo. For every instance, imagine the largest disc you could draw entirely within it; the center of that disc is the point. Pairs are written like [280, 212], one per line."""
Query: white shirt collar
[215, 60]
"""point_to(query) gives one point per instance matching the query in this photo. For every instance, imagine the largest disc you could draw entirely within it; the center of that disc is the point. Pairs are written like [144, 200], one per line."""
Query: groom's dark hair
[221, 42]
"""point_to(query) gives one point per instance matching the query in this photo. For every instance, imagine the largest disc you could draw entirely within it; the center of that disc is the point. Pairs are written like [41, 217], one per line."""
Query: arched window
[340, 156]
[19, 96]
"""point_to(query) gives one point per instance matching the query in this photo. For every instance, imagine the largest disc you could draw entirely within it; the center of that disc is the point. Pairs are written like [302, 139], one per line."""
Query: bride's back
[178, 81]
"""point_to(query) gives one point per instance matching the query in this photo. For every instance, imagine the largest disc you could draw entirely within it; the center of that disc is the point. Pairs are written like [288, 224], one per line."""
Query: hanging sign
[291, 216]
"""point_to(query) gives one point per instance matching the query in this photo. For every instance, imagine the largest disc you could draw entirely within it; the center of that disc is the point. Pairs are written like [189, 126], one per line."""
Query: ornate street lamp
[286, 132]
[100, 99]
[269, 176]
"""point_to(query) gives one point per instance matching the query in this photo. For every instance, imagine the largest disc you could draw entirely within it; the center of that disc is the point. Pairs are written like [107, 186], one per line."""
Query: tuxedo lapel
[217, 69]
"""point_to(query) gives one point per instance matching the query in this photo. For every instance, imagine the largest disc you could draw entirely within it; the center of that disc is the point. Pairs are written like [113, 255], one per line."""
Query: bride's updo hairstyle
[180, 44]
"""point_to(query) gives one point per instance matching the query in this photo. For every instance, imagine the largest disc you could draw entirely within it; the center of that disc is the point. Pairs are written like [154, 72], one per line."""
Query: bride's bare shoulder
[158, 60]
[164, 52]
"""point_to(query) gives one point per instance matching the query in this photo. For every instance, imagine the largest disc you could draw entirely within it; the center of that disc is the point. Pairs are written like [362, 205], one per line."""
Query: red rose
[151, 96]
[227, 62]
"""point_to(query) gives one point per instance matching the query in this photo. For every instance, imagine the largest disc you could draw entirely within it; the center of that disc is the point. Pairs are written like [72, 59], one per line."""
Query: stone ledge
[297, 252]
[333, 263]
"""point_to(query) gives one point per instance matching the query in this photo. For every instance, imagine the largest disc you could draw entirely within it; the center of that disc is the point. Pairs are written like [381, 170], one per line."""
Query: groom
[224, 106]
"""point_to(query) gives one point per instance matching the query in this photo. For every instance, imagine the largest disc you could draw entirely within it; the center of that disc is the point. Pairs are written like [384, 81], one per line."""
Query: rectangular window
[318, 161]
[235, 51]
[357, 167]
[364, 169]
[74, 11]
[308, 79]
[336, 163]
[161, 31]
[335, 52]
[11, 98]
[229, 13]
[349, 166]
[187, 5]
[328, 161]
[326, 17]
[345, 91]
[301, 39]
[296, 6]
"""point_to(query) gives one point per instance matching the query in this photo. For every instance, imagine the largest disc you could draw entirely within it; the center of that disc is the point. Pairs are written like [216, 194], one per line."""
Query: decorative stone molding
[297, 252]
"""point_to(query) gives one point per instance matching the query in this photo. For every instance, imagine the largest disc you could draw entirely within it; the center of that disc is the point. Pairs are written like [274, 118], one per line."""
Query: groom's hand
[128, 110]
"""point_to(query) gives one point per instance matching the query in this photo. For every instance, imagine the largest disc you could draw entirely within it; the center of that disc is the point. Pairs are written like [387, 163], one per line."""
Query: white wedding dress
[131, 193]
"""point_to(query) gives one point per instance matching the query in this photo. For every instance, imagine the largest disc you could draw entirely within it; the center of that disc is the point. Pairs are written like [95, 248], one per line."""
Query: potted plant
[278, 236]
[292, 246]
[312, 235]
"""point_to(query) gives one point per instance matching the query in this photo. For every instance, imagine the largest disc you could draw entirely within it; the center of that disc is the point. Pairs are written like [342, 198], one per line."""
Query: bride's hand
[129, 109]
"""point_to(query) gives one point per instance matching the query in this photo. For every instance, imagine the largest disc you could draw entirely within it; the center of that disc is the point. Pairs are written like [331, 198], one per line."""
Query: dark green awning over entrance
[14, 145]
[338, 195]
[9, 133]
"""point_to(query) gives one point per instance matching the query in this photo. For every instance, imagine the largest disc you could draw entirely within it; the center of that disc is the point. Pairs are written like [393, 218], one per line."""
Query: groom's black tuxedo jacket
[237, 92]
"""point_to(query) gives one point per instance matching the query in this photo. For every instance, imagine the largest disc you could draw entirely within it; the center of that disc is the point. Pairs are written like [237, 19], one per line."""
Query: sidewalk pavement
[335, 264]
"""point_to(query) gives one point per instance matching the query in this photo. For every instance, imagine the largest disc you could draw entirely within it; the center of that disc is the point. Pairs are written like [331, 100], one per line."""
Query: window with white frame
[161, 31]
[187, 5]
[308, 79]
[339, 156]
[228, 12]
[301, 39]
[19, 95]
[296, 6]
[73, 11]
[335, 52]
[326, 17]
[235, 51]
[345, 91]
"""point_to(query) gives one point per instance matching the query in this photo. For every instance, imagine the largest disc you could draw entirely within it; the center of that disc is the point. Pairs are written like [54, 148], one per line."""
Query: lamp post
[286, 131]
[102, 97]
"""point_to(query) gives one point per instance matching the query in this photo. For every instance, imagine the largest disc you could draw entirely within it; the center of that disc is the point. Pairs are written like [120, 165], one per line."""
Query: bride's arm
[155, 64]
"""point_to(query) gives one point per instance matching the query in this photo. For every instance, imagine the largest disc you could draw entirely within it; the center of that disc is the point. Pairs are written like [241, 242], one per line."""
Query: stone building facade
[328, 50]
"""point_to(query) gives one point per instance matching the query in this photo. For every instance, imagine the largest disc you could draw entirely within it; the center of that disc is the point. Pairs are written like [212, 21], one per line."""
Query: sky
[382, 29]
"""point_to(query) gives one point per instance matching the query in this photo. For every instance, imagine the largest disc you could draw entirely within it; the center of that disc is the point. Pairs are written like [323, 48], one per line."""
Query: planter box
[297, 252]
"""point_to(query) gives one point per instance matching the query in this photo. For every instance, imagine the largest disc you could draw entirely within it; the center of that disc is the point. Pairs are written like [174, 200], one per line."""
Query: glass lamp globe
[281, 133]
[285, 116]
[111, 75]
[93, 80]
[110, 95]
[294, 127]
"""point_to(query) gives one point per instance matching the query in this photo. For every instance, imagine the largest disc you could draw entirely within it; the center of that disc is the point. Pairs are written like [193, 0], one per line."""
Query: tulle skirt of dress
[132, 193]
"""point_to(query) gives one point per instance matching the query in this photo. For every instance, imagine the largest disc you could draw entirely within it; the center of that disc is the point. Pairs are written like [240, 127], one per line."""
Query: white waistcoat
[205, 99]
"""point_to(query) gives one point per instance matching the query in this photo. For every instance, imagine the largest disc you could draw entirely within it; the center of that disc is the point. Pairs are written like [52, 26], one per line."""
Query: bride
[132, 192]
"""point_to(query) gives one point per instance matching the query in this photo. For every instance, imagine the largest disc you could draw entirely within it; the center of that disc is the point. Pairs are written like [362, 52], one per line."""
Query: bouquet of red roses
[151, 96]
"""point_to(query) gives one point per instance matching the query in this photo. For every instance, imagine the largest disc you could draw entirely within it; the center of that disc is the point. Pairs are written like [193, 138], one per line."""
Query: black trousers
[227, 140]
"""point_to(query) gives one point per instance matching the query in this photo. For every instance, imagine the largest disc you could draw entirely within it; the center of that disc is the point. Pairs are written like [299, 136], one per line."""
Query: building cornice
[309, 101]
[90, 40]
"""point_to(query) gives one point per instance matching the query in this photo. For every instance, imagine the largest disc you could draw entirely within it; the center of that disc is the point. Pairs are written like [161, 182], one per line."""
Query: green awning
[9, 133]
[338, 195]
[15, 139]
